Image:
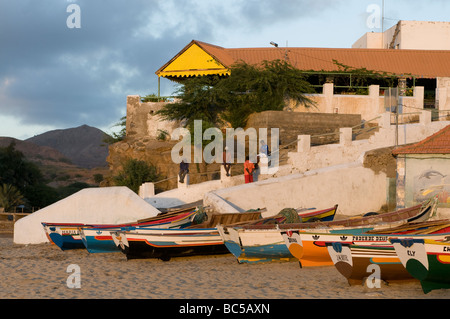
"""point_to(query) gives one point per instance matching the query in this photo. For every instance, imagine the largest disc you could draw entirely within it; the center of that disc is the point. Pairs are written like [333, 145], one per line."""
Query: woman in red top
[249, 167]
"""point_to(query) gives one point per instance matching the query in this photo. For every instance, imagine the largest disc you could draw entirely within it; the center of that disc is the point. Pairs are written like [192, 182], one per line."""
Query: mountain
[56, 168]
[34, 152]
[82, 145]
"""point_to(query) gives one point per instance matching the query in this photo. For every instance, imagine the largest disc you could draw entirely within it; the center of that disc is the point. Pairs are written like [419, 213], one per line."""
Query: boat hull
[426, 260]
[311, 248]
[79, 236]
[375, 255]
[99, 240]
[167, 243]
[264, 245]
[65, 236]
[357, 263]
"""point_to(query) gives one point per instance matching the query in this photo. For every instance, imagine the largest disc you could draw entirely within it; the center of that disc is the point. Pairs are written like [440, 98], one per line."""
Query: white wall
[309, 158]
[106, 205]
[319, 176]
[354, 188]
[413, 35]
[369, 106]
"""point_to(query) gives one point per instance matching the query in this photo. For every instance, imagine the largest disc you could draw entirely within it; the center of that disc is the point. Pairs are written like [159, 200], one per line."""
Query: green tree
[10, 197]
[252, 88]
[41, 195]
[154, 98]
[119, 136]
[198, 100]
[65, 191]
[16, 170]
[135, 173]
[98, 178]
[249, 89]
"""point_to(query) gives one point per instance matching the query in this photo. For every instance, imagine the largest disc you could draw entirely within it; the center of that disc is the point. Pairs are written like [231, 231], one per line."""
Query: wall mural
[432, 183]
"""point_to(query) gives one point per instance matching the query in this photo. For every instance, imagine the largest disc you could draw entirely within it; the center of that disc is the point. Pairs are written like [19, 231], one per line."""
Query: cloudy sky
[58, 71]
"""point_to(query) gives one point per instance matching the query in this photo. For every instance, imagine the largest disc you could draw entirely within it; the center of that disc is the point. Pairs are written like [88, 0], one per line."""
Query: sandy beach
[40, 272]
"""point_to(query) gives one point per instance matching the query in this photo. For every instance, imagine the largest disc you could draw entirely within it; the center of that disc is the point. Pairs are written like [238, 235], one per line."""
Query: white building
[416, 35]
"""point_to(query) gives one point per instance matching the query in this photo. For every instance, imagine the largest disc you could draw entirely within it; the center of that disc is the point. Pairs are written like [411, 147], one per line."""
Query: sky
[66, 63]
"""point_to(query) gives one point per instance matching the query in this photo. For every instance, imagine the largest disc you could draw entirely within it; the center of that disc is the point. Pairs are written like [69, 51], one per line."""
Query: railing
[13, 216]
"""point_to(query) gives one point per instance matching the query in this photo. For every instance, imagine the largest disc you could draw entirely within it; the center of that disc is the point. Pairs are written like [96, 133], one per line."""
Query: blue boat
[99, 239]
[64, 235]
[262, 243]
[254, 245]
[79, 236]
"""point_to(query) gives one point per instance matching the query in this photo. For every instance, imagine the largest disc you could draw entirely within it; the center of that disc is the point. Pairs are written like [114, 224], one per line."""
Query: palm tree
[10, 196]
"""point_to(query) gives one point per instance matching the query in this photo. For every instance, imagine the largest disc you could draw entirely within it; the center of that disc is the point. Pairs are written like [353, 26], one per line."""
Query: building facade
[410, 35]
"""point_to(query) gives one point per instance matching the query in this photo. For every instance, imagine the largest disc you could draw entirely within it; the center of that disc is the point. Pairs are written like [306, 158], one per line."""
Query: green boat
[426, 260]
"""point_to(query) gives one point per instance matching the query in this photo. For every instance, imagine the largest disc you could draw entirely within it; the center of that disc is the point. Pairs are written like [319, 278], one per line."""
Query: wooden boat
[97, 239]
[257, 243]
[323, 215]
[64, 235]
[250, 246]
[69, 235]
[356, 261]
[426, 260]
[304, 248]
[167, 243]
[311, 248]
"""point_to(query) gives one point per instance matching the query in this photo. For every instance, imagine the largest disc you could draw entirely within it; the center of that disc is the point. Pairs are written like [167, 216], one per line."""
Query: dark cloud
[53, 75]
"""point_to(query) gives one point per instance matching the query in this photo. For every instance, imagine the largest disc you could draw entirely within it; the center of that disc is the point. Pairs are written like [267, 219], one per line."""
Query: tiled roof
[438, 143]
[418, 63]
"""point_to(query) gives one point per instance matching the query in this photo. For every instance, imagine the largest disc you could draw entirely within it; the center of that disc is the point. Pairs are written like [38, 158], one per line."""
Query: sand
[40, 272]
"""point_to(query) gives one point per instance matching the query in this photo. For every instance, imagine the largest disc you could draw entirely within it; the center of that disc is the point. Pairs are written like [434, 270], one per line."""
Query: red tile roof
[418, 63]
[438, 143]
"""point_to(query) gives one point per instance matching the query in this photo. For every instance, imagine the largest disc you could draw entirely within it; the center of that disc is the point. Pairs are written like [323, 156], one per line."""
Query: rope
[290, 214]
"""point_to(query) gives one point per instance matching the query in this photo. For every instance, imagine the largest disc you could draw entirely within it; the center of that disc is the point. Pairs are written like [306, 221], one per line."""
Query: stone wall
[291, 124]
[369, 106]
[142, 120]
[158, 153]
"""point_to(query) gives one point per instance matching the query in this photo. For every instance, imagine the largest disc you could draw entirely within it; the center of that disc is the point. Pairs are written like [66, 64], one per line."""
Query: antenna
[382, 23]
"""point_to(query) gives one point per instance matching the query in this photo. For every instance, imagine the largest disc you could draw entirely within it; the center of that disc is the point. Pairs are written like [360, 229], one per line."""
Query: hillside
[66, 156]
[82, 145]
[35, 152]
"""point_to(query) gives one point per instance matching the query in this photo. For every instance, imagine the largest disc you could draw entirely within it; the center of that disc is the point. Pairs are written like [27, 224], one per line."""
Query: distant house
[423, 75]
[423, 170]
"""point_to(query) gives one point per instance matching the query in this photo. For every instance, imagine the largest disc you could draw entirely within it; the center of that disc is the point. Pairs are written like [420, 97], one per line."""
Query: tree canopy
[249, 89]
[16, 170]
[22, 182]
[135, 173]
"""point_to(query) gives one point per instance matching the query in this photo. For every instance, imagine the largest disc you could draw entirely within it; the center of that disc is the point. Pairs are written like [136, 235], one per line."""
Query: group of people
[249, 167]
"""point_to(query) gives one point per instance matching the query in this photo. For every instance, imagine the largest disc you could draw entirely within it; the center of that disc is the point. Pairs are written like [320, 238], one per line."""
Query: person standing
[249, 167]
[264, 149]
[184, 170]
[226, 160]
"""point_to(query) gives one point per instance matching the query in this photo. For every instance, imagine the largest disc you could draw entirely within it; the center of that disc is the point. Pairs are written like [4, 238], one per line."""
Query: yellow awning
[194, 61]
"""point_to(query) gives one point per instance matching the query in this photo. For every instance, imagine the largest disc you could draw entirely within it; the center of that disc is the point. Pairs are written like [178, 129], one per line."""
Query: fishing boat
[64, 235]
[426, 260]
[98, 239]
[76, 236]
[356, 260]
[312, 249]
[167, 243]
[259, 243]
[251, 245]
